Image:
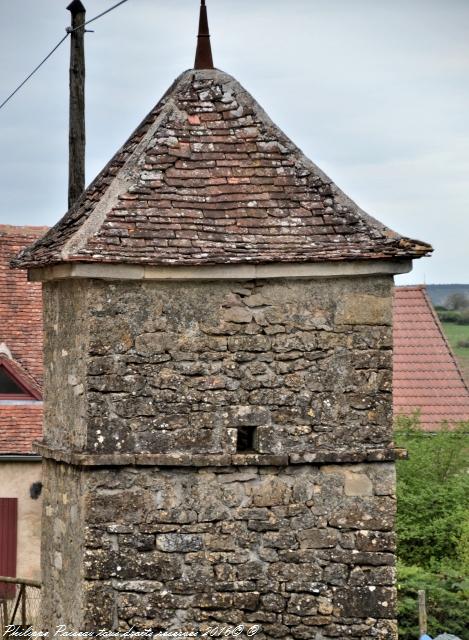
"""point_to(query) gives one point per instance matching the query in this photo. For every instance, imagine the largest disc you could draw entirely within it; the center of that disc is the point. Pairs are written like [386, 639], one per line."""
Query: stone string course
[207, 178]
[77, 458]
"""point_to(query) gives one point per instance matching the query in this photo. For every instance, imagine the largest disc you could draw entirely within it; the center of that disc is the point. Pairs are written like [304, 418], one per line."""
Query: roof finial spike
[203, 56]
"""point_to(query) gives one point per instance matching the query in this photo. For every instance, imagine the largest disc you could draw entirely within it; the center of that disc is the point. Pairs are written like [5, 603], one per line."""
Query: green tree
[447, 602]
[457, 301]
[433, 527]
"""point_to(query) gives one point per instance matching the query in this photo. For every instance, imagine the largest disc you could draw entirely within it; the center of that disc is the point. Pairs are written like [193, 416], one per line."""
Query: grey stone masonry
[303, 551]
[179, 368]
[220, 453]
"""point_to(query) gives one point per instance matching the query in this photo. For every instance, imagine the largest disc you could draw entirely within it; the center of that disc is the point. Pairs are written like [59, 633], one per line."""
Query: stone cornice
[351, 268]
[349, 456]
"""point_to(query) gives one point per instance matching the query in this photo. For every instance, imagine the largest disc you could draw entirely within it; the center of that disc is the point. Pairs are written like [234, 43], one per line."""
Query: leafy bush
[433, 495]
[433, 527]
[447, 596]
[457, 300]
[463, 317]
[449, 316]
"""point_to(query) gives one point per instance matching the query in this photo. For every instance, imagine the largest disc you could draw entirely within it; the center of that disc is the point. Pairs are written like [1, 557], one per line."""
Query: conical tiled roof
[207, 178]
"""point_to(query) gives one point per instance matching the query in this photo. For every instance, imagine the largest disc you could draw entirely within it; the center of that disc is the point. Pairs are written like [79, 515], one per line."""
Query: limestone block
[318, 538]
[303, 604]
[364, 513]
[150, 343]
[237, 314]
[248, 415]
[177, 542]
[270, 492]
[384, 479]
[363, 576]
[357, 484]
[364, 309]
[375, 541]
[214, 601]
[273, 602]
[120, 330]
[363, 602]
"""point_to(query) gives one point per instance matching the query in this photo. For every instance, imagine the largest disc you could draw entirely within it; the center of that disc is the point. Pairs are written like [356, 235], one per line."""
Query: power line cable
[69, 31]
[100, 15]
[33, 72]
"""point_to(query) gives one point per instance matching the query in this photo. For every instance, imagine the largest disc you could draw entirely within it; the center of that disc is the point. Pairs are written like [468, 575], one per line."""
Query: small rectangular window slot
[246, 440]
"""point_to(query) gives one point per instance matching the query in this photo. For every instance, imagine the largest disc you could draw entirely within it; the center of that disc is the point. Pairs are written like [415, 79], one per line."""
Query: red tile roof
[20, 425]
[21, 331]
[426, 373]
[208, 178]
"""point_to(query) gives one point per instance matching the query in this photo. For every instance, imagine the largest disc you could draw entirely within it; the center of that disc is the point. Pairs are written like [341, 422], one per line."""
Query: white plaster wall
[15, 481]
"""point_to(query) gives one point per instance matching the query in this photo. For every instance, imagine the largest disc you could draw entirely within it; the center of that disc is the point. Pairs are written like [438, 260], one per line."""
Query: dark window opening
[246, 439]
[8, 386]
[13, 386]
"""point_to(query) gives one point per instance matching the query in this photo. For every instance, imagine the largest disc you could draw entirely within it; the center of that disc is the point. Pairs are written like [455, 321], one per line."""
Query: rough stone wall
[62, 548]
[304, 551]
[65, 363]
[177, 368]
[164, 375]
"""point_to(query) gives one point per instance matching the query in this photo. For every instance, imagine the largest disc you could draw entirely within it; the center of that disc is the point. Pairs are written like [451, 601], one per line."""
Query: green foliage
[433, 527]
[447, 316]
[457, 316]
[463, 545]
[457, 300]
[456, 333]
[447, 596]
[433, 494]
[463, 317]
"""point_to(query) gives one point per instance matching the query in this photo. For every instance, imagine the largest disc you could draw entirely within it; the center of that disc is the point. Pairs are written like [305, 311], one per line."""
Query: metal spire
[203, 56]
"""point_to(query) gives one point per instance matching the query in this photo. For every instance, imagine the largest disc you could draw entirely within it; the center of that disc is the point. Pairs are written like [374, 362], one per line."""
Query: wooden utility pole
[76, 137]
[422, 614]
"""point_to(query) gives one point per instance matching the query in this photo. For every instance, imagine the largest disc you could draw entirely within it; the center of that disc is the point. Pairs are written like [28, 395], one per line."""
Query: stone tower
[218, 431]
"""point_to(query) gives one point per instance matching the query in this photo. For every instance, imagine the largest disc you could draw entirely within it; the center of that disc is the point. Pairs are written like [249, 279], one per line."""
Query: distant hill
[440, 292]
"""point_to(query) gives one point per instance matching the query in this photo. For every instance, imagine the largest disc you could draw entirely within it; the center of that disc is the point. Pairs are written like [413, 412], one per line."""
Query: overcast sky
[376, 92]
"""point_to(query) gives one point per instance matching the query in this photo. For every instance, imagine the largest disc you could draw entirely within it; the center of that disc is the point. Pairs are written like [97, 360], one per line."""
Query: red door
[8, 537]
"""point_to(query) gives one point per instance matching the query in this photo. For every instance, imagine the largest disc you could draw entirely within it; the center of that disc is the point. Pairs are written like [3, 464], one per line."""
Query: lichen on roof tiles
[207, 178]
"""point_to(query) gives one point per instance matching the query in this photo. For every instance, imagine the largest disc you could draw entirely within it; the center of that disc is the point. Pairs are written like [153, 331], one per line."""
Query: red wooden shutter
[8, 537]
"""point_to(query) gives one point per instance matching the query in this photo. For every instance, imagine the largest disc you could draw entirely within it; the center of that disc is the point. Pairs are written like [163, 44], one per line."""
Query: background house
[20, 409]
[426, 375]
